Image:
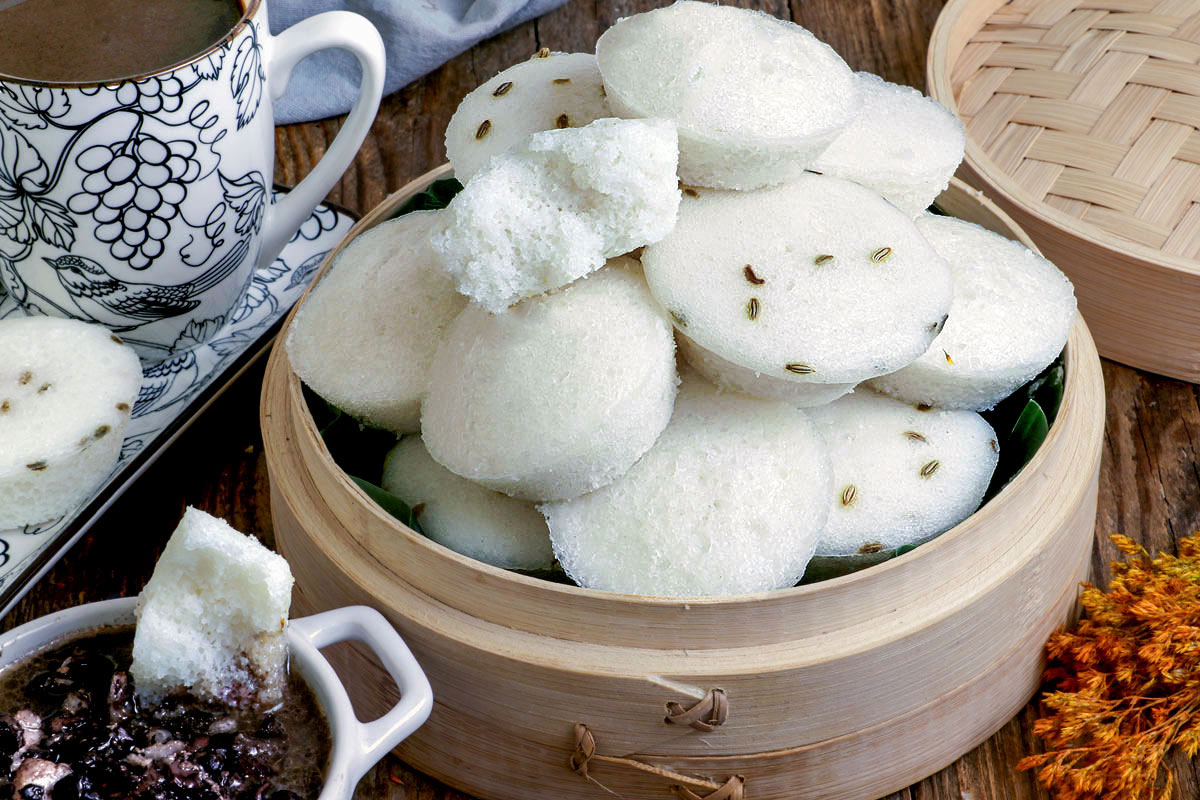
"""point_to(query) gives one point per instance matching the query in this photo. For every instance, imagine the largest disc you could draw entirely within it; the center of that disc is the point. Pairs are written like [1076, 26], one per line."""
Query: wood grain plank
[887, 37]
[937, 786]
[989, 771]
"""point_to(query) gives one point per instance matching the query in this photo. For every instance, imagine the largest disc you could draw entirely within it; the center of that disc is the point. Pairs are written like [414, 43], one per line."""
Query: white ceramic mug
[145, 204]
[357, 746]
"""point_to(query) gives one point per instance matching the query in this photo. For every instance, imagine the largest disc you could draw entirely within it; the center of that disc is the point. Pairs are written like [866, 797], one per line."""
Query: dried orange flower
[1126, 682]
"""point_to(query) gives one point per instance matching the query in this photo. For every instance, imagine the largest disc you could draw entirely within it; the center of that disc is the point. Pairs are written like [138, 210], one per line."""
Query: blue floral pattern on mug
[139, 204]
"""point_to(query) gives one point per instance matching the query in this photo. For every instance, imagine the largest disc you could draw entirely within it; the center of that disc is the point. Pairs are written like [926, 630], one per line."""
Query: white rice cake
[730, 500]
[212, 617]
[462, 515]
[364, 337]
[900, 475]
[756, 98]
[902, 144]
[819, 281]
[1010, 318]
[731, 377]
[557, 206]
[67, 389]
[556, 396]
[549, 91]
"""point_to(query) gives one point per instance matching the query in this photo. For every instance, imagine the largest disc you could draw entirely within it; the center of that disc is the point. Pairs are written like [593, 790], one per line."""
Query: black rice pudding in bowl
[74, 727]
[181, 695]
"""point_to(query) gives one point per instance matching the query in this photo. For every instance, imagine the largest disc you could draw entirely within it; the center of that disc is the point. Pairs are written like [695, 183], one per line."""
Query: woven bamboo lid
[1082, 120]
[1093, 108]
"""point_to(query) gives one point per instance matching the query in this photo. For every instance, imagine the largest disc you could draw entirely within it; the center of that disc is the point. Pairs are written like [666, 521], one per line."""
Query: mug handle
[362, 624]
[332, 29]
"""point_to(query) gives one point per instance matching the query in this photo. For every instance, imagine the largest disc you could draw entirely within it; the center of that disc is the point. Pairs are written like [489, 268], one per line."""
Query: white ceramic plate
[174, 393]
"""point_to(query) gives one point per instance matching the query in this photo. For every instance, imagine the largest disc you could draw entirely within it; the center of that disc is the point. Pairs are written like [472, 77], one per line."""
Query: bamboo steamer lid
[1082, 120]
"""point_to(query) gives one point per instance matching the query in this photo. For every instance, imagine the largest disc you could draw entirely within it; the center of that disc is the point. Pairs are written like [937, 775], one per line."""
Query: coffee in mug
[64, 41]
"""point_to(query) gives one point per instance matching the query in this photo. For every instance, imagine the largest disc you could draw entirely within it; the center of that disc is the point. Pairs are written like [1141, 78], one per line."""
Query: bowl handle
[362, 624]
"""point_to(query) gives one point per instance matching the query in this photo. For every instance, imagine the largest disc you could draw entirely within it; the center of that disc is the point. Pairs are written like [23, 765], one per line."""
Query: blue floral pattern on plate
[174, 392]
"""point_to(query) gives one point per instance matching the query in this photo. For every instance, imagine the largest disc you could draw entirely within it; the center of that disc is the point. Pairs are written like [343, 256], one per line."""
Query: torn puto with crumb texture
[558, 206]
[212, 618]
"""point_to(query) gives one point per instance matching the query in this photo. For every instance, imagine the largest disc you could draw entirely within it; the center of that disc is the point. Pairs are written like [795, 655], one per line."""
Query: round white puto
[67, 391]
[900, 474]
[756, 98]
[730, 500]
[1010, 318]
[364, 337]
[464, 516]
[902, 144]
[818, 281]
[547, 92]
[558, 395]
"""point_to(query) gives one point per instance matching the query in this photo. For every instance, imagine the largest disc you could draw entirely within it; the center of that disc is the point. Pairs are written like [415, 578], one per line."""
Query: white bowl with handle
[356, 746]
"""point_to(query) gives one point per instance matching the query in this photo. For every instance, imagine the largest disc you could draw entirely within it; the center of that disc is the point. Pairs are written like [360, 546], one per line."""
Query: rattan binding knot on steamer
[1082, 121]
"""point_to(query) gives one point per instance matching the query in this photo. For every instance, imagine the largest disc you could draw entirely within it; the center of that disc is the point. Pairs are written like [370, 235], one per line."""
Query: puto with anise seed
[900, 474]
[67, 391]
[547, 92]
[1010, 318]
[817, 281]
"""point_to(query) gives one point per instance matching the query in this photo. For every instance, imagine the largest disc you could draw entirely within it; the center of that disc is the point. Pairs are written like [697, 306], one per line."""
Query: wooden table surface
[1149, 482]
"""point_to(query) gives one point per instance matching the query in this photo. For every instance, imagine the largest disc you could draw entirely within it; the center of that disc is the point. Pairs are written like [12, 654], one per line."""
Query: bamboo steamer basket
[843, 690]
[1082, 124]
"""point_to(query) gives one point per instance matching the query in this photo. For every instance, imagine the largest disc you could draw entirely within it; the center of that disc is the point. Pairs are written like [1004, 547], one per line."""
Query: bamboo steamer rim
[1082, 378]
[1074, 26]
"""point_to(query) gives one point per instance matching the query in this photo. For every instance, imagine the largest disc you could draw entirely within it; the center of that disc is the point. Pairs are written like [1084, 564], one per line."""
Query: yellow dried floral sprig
[1126, 682]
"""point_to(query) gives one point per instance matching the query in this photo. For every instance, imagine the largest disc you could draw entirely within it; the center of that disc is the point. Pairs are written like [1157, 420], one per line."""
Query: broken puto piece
[228, 596]
[196, 699]
[557, 207]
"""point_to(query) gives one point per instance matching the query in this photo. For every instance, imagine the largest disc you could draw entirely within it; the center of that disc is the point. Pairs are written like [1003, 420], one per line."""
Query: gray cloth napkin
[420, 36]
